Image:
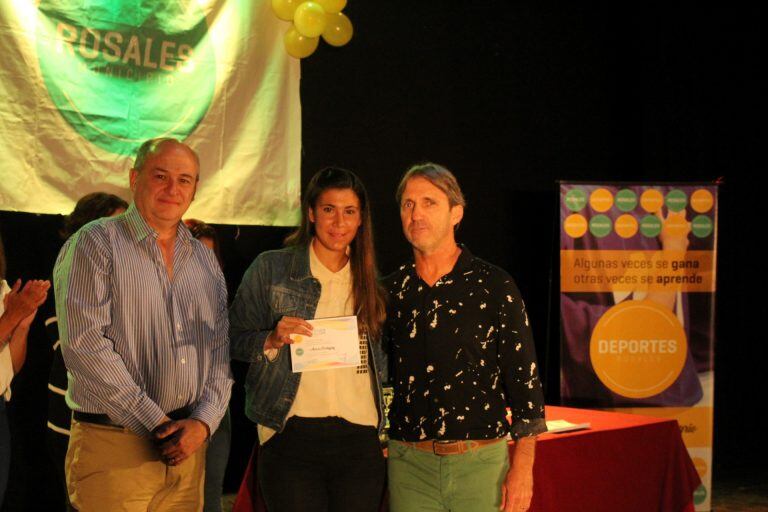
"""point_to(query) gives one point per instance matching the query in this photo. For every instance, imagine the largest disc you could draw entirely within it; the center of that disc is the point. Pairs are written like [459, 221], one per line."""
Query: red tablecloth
[623, 463]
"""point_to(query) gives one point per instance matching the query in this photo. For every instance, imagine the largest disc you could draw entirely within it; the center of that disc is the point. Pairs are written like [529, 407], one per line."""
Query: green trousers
[424, 482]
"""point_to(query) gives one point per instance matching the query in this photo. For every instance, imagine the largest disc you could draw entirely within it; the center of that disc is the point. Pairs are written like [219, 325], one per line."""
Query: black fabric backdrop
[512, 97]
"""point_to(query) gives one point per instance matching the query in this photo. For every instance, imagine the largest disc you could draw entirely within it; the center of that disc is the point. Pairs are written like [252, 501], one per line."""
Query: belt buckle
[446, 444]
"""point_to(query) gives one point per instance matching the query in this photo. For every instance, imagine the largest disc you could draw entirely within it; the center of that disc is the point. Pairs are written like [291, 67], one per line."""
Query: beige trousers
[111, 468]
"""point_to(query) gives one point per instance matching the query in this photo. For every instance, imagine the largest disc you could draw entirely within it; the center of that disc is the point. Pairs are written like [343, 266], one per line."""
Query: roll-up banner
[637, 304]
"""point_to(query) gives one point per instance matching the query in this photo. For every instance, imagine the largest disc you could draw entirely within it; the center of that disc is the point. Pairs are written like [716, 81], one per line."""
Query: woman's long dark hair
[370, 306]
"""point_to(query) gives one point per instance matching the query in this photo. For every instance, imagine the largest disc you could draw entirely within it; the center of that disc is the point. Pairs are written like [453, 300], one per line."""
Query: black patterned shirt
[461, 352]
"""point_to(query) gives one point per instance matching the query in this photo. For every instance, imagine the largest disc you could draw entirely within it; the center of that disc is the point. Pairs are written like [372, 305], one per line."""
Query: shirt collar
[462, 263]
[323, 273]
[141, 230]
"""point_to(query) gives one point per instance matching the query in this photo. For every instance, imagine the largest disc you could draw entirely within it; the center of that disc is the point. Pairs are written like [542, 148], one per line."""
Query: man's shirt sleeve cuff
[527, 427]
[209, 415]
[142, 420]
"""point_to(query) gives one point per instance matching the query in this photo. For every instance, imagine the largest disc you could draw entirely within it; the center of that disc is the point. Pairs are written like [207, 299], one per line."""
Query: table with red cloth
[623, 463]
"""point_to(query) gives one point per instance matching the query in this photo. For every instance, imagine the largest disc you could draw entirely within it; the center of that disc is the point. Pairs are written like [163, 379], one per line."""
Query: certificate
[334, 343]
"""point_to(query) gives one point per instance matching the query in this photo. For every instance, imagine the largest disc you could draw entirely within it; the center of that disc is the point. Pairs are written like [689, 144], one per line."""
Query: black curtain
[511, 96]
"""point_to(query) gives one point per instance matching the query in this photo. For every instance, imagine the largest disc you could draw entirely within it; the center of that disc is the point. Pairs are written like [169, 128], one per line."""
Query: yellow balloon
[332, 6]
[299, 46]
[338, 29]
[284, 9]
[309, 19]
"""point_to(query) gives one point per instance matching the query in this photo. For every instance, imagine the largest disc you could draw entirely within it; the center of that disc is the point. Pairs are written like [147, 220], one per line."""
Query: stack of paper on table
[554, 426]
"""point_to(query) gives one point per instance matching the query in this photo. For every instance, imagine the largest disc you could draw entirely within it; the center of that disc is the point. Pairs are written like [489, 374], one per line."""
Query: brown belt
[451, 447]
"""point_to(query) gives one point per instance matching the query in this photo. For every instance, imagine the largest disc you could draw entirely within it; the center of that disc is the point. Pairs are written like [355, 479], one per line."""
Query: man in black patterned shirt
[461, 353]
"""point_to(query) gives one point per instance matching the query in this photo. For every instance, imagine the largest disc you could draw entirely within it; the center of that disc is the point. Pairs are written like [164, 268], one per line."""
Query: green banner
[85, 83]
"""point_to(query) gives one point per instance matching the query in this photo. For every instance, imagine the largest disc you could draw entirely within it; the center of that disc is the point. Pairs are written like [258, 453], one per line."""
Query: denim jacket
[279, 283]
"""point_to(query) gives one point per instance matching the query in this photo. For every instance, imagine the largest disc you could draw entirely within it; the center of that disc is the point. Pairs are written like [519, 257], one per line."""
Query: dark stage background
[511, 97]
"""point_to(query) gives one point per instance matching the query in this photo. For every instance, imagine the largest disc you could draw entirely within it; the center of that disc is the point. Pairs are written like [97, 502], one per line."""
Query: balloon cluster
[311, 20]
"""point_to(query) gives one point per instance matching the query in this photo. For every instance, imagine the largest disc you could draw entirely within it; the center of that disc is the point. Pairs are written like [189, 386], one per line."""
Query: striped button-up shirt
[138, 344]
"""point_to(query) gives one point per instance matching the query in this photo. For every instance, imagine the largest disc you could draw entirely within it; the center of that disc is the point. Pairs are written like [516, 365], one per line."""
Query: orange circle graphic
[638, 348]
[601, 200]
[626, 226]
[651, 200]
[575, 225]
[702, 201]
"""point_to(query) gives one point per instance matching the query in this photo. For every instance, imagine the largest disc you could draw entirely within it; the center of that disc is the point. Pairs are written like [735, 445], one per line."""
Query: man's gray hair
[152, 146]
[437, 175]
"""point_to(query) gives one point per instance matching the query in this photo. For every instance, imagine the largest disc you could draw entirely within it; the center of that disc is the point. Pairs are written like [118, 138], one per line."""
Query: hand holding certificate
[287, 326]
[334, 343]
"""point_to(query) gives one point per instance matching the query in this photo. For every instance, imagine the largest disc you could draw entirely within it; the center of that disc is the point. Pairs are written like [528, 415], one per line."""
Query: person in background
[207, 235]
[217, 455]
[18, 307]
[318, 430]
[88, 208]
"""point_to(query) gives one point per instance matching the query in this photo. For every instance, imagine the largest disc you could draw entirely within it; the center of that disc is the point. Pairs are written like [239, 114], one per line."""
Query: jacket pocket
[285, 301]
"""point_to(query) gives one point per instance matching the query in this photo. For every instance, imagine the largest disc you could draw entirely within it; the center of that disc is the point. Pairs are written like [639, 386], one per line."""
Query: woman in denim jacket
[319, 429]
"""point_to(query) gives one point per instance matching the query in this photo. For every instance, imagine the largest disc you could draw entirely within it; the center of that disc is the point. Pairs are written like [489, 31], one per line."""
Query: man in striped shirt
[143, 328]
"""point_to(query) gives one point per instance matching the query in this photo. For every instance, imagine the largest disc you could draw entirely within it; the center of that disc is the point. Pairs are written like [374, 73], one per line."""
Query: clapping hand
[21, 303]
